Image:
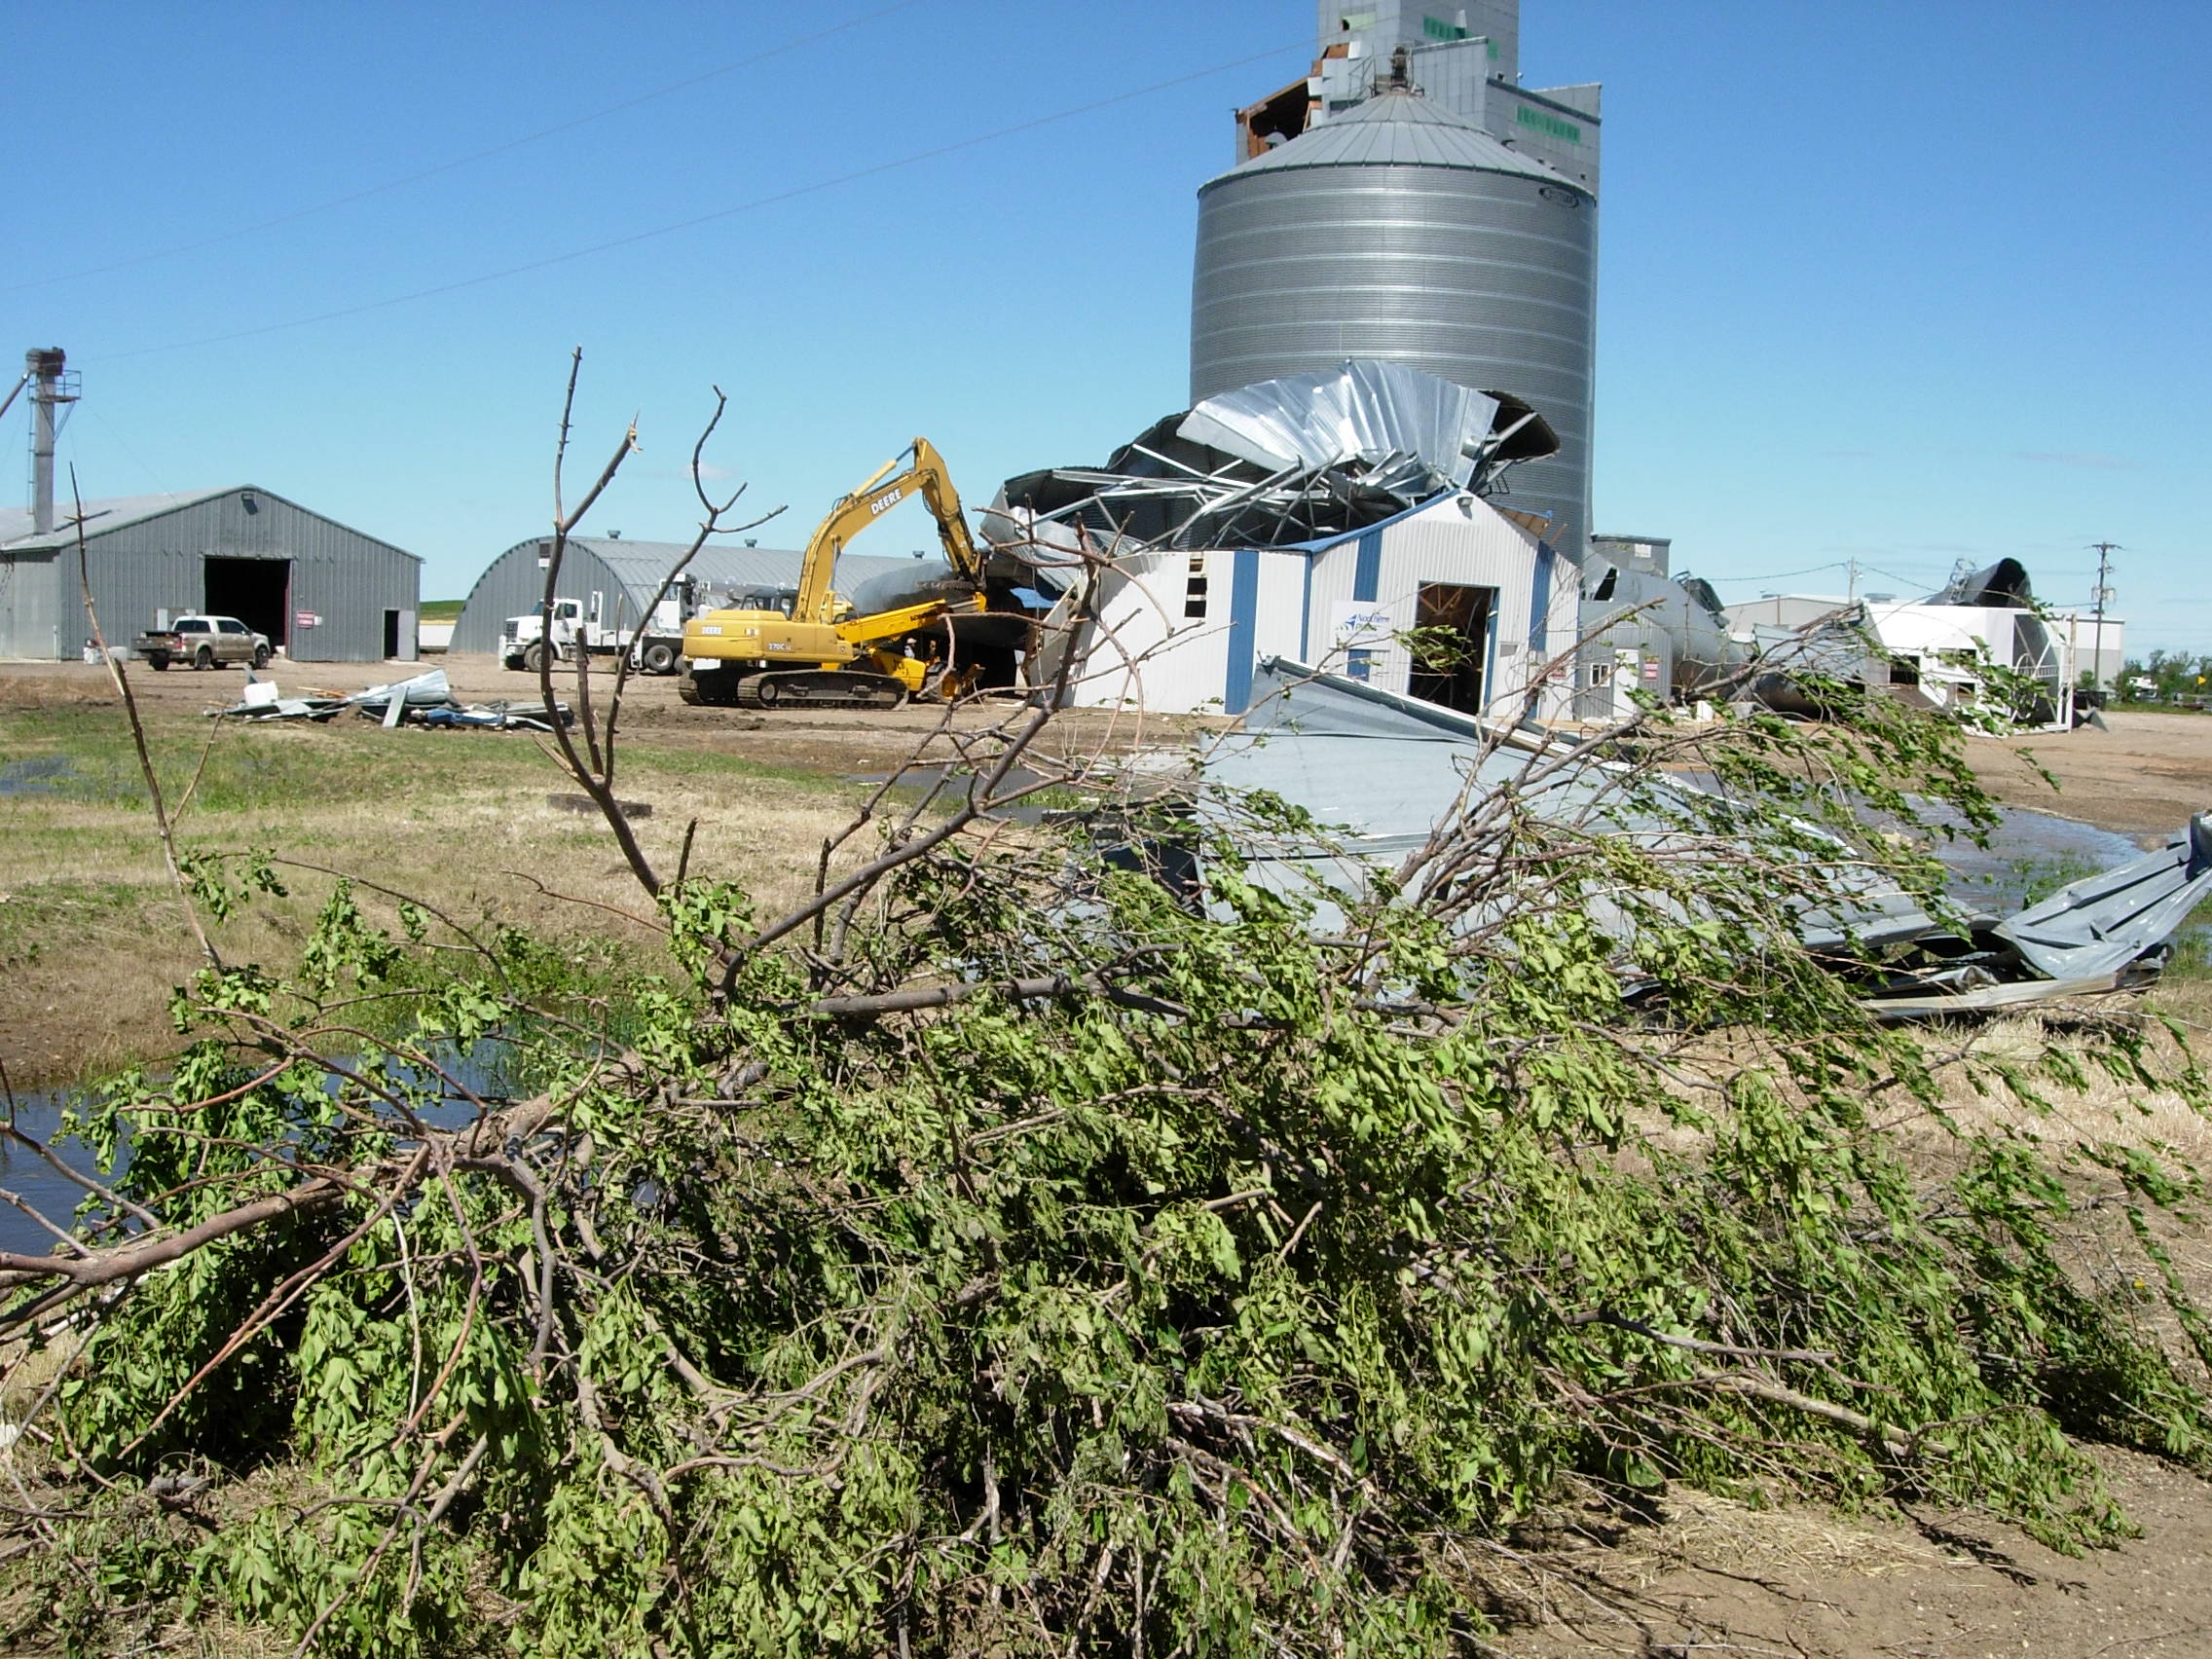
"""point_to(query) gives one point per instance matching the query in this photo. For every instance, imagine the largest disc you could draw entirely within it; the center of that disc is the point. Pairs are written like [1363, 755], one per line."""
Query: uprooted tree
[1018, 1247]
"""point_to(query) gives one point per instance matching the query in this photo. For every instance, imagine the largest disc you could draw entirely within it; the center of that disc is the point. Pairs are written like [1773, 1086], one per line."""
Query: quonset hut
[626, 574]
[320, 591]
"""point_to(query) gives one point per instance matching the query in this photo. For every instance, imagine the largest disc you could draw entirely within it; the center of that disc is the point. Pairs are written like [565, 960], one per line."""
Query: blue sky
[1899, 284]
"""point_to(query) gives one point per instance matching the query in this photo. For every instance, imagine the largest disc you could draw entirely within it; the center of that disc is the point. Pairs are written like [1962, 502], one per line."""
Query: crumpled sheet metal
[424, 700]
[2101, 924]
[1041, 543]
[2003, 584]
[1390, 767]
[1414, 434]
[1282, 464]
[494, 716]
[423, 690]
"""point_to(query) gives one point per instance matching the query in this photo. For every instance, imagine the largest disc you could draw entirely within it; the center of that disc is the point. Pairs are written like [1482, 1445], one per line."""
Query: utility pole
[2104, 551]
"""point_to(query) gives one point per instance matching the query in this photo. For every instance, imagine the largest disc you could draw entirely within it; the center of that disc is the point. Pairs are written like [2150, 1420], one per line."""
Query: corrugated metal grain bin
[1399, 230]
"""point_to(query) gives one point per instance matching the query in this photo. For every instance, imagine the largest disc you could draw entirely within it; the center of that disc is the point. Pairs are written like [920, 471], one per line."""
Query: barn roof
[640, 564]
[116, 512]
[100, 517]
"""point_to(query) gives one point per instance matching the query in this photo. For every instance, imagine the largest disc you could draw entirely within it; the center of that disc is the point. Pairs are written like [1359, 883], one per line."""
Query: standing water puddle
[38, 1114]
[2030, 854]
[41, 774]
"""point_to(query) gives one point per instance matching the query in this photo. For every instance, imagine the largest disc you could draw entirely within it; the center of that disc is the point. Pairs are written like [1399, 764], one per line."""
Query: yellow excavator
[822, 654]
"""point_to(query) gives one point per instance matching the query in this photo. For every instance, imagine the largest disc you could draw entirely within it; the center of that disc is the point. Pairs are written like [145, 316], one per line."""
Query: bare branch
[162, 823]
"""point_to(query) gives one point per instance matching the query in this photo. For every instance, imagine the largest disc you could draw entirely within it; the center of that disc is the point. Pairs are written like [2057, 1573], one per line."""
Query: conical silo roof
[1399, 129]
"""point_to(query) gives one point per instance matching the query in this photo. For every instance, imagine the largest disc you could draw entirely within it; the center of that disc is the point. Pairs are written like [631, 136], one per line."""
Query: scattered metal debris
[425, 690]
[491, 717]
[424, 700]
[1389, 768]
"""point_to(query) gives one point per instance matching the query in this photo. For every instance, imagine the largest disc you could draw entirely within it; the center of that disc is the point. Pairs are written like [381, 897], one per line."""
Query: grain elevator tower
[1412, 201]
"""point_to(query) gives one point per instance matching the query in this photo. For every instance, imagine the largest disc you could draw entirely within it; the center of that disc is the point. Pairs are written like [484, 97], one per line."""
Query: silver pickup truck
[204, 641]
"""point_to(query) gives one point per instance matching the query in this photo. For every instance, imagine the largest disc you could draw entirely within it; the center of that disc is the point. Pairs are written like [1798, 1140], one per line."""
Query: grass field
[439, 610]
[92, 937]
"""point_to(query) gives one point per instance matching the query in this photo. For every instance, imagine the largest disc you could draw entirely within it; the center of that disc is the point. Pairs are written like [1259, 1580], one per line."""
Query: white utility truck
[657, 648]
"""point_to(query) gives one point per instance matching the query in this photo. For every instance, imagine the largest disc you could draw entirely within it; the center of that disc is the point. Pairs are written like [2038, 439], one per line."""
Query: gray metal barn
[628, 574]
[321, 591]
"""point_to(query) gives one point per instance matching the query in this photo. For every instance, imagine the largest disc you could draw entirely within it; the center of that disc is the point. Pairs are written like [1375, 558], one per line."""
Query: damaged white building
[1350, 520]
[1935, 652]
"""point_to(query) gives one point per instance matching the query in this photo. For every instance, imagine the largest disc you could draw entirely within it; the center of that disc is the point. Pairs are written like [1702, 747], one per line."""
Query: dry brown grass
[91, 935]
[2105, 1110]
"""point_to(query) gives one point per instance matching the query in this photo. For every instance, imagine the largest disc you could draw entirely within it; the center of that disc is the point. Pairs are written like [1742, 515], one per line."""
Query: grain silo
[1455, 233]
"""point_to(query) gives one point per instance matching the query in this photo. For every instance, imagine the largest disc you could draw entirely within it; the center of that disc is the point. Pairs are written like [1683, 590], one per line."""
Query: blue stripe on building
[1540, 605]
[1367, 574]
[1243, 626]
[1305, 613]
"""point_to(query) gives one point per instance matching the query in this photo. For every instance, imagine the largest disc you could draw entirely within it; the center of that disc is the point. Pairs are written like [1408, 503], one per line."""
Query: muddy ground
[1713, 1577]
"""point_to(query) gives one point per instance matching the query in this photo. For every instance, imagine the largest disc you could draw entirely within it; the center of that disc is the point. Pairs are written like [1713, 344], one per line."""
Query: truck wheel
[261, 657]
[659, 658]
[533, 659]
[203, 658]
[158, 661]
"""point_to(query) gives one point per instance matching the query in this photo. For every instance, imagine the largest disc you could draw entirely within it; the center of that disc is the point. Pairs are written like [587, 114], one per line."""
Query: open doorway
[258, 592]
[1451, 644]
[1275, 120]
[390, 634]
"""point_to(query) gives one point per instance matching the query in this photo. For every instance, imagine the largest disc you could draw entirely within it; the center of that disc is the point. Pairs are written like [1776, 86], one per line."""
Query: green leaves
[1220, 1290]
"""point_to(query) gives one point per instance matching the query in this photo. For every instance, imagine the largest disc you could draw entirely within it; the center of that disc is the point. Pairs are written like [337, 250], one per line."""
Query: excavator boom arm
[923, 474]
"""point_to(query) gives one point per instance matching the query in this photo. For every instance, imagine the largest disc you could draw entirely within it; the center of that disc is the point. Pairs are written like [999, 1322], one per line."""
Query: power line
[692, 222]
[1783, 575]
[460, 161]
[1877, 571]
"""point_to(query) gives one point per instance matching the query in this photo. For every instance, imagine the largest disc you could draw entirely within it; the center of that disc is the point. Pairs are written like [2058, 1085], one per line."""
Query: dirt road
[2142, 778]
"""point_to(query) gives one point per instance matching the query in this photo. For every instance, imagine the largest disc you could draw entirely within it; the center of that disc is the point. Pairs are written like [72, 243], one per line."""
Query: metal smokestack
[51, 386]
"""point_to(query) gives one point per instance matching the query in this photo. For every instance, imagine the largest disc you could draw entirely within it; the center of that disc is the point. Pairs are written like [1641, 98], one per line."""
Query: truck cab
[596, 630]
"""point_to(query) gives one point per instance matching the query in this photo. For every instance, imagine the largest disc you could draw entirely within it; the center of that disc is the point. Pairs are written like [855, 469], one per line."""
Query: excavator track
[819, 689]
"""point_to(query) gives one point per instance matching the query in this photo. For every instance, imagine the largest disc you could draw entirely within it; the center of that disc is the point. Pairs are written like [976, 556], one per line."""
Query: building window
[1195, 590]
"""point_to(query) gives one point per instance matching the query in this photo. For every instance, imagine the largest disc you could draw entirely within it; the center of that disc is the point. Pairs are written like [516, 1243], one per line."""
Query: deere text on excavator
[825, 655]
